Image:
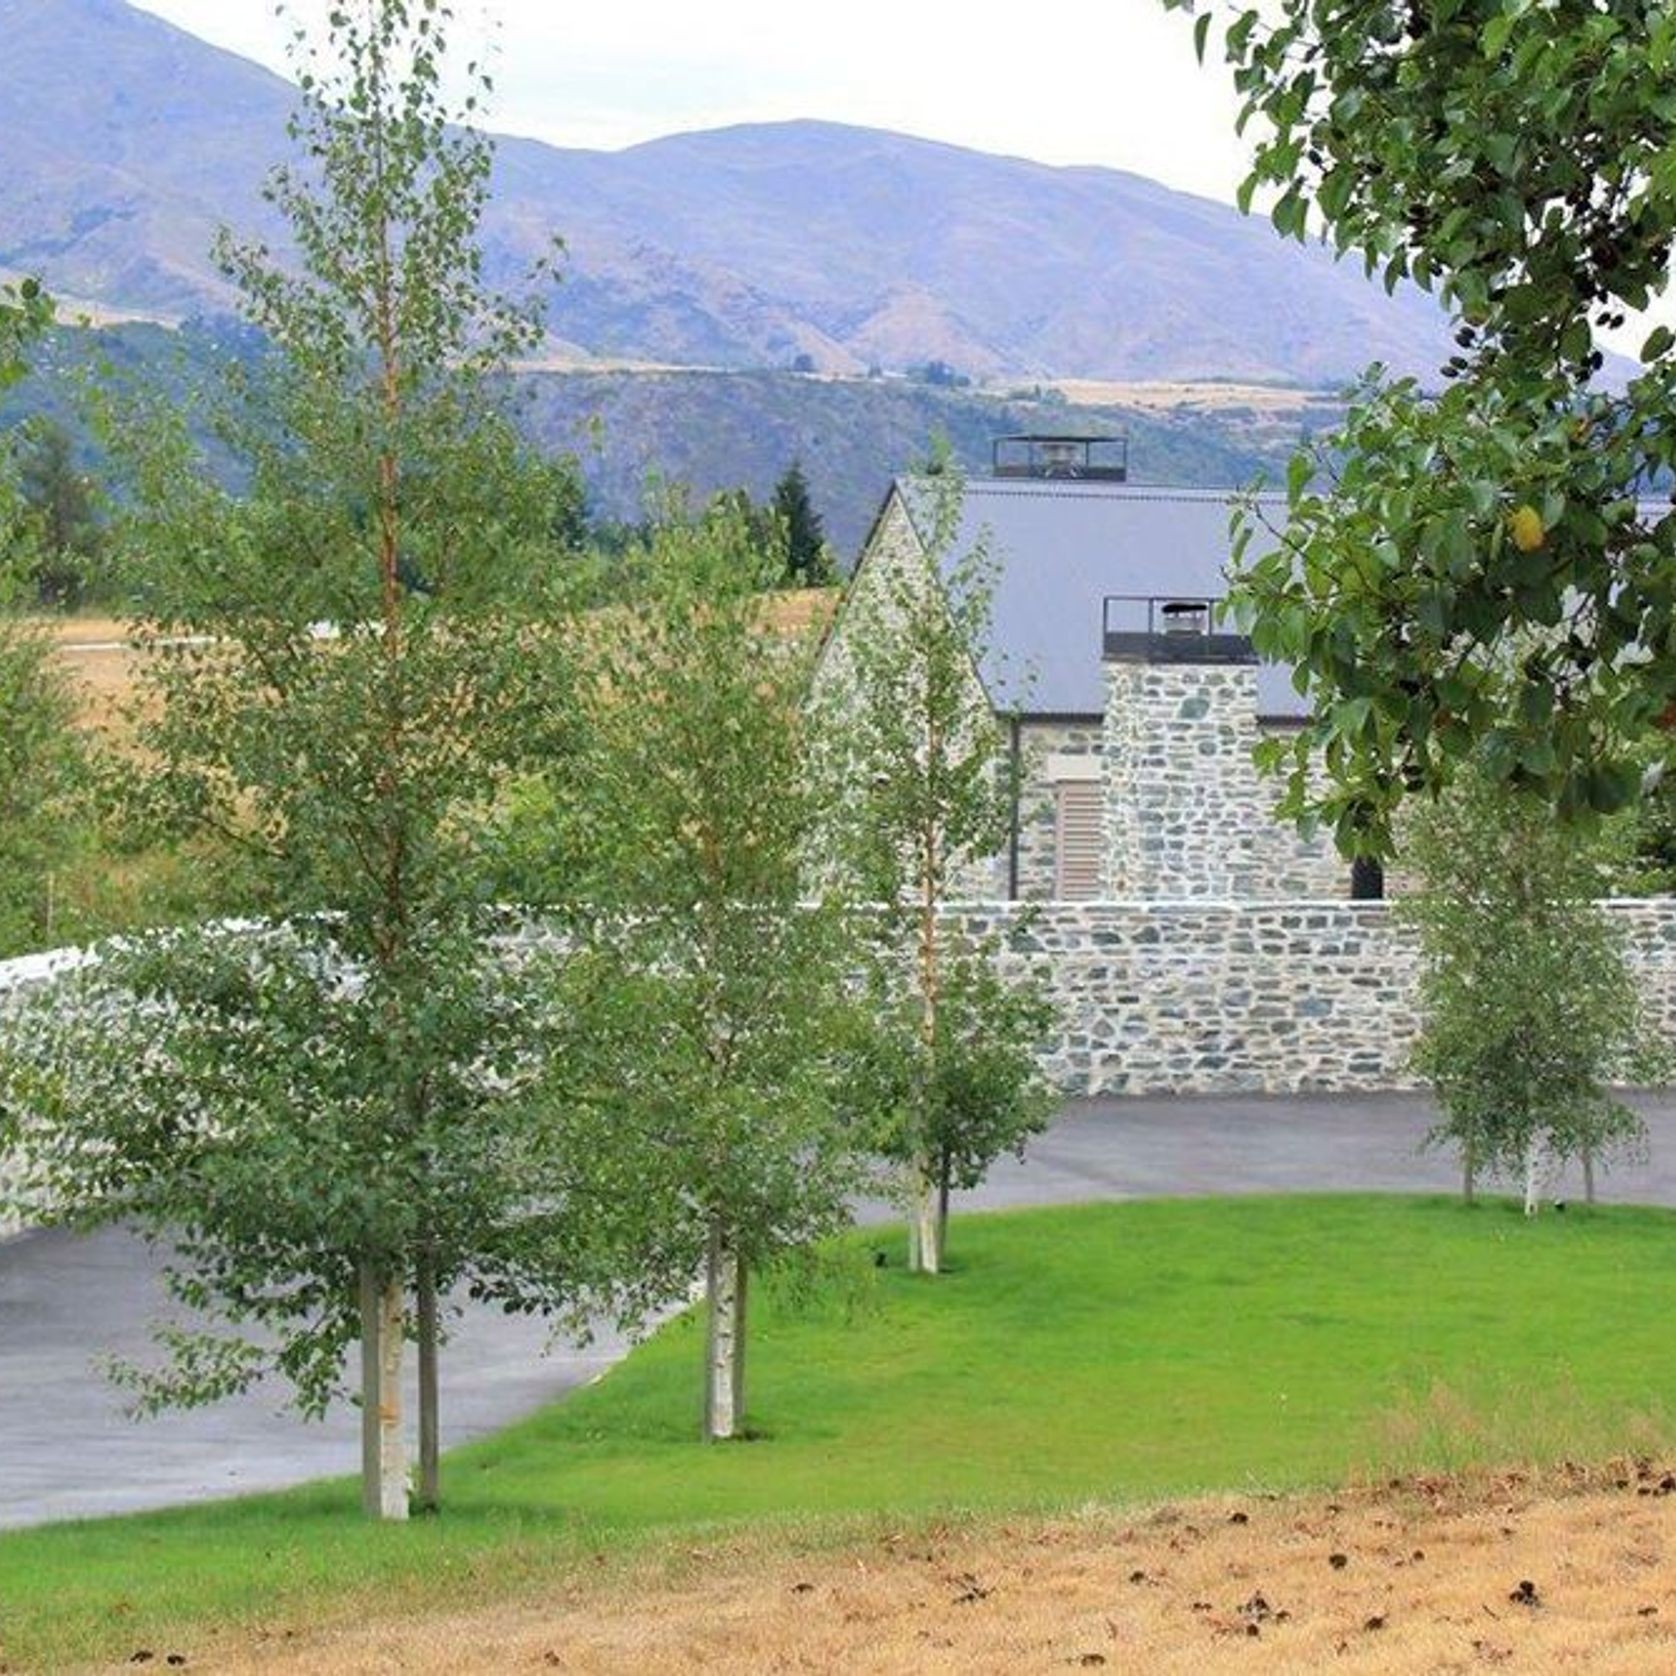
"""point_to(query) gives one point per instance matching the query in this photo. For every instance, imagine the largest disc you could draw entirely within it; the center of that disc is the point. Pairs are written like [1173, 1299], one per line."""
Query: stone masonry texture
[1225, 997]
[1253, 997]
[1187, 815]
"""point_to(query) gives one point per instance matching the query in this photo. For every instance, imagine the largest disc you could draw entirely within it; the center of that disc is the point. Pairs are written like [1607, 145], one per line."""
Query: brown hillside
[128, 141]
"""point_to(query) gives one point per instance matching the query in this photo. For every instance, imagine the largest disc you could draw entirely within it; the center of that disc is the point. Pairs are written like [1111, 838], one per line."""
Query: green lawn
[1104, 1353]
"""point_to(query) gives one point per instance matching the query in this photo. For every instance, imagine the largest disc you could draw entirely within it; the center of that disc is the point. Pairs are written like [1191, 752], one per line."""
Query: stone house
[1131, 713]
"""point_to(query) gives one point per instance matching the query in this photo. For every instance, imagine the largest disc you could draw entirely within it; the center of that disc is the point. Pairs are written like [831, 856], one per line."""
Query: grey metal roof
[1061, 548]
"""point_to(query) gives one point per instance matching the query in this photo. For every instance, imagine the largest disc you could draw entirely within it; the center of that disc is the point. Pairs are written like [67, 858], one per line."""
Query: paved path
[66, 1449]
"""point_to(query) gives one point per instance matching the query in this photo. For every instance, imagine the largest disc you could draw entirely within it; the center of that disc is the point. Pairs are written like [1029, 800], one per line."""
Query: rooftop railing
[1169, 628]
[1094, 459]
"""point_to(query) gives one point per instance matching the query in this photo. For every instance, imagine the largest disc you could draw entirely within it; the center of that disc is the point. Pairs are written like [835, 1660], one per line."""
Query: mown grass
[1098, 1353]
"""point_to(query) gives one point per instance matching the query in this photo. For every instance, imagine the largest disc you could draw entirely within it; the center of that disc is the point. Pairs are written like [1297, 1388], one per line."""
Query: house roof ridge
[1055, 488]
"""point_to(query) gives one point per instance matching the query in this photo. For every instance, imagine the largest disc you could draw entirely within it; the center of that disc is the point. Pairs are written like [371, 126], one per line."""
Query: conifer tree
[59, 506]
[808, 560]
[41, 759]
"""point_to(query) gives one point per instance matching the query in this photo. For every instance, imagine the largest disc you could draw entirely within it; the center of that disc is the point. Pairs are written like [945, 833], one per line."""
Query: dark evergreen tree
[60, 512]
[808, 559]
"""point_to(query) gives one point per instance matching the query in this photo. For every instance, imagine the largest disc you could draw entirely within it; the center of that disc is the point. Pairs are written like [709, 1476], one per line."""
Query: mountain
[714, 430]
[127, 142]
[720, 430]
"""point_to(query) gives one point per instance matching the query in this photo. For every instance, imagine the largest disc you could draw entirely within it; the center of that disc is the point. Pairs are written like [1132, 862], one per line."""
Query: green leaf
[1495, 34]
[1351, 716]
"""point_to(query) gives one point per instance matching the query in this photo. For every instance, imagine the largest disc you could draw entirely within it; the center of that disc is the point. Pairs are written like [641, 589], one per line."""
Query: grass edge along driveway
[1107, 1353]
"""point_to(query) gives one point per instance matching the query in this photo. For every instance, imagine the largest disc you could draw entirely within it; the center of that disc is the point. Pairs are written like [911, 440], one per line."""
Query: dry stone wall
[18, 978]
[1241, 997]
[1649, 928]
[1203, 997]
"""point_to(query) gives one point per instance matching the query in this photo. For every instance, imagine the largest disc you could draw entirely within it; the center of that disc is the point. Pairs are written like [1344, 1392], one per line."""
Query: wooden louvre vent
[1077, 835]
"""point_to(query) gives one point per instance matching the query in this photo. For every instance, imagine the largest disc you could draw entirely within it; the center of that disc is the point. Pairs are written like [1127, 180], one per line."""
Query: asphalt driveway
[67, 1450]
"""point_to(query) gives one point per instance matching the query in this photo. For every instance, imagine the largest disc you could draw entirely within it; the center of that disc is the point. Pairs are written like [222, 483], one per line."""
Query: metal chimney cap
[1185, 616]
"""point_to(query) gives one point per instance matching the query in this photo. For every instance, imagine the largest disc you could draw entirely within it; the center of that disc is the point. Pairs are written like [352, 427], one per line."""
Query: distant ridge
[127, 141]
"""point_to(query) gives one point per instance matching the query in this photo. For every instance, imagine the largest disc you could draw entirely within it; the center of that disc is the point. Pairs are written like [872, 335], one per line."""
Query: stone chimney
[1183, 804]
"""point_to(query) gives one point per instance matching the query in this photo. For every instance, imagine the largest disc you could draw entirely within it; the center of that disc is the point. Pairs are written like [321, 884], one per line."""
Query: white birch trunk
[384, 1489]
[741, 1307]
[1588, 1175]
[924, 1244]
[1533, 1178]
[925, 1227]
[392, 1438]
[928, 1224]
[724, 1364]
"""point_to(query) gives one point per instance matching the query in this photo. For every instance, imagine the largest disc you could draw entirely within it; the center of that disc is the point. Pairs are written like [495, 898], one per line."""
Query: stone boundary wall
[1244, 997]
[1217, 997]
[16, 976]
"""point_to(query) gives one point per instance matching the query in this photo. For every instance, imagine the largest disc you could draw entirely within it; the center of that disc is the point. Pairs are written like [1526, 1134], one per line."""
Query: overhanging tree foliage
[1476, 573]
[334, 1119]
[1526, 1002]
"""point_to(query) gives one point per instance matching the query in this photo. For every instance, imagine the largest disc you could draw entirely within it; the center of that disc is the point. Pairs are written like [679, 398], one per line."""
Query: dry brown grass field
[94, 652]
[1577, 1573]
[1167, 396]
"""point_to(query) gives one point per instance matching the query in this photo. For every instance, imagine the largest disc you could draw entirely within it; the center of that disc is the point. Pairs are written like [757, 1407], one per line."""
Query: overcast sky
[1070, 81]
[1065, 81]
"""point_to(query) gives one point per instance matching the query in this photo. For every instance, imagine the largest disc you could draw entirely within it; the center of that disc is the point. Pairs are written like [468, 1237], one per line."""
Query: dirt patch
[81, 632]
[1429, 1576]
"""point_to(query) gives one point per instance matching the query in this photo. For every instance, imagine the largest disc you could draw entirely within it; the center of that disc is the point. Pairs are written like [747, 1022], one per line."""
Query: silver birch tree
[338, 1115]
[916, 811]
[1526, 1002]
[724, 1015]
